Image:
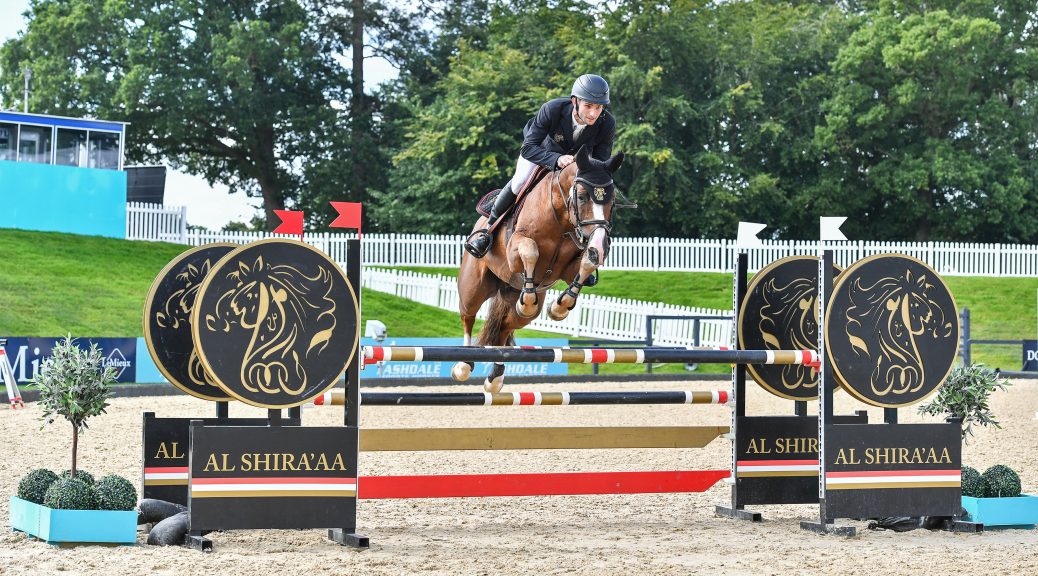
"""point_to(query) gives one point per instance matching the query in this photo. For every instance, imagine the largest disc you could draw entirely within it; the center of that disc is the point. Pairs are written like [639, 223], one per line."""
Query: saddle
[487, 202]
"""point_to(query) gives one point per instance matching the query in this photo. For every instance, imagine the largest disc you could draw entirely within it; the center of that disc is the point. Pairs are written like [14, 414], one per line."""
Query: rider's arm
[537, 130]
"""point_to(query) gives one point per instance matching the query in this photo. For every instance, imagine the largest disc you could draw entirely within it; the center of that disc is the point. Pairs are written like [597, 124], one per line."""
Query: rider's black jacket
[549, 134]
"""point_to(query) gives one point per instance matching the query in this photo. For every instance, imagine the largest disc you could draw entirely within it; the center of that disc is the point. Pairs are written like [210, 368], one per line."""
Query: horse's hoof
[494, 386]
[519, 310]
[461, 371]
[558, 313]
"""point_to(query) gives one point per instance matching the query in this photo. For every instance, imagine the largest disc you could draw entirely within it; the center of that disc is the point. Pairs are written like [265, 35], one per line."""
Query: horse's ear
[582, 158]
[613, 164]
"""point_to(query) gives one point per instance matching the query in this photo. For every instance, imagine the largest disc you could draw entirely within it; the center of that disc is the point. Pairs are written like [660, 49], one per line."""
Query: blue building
[62, 174]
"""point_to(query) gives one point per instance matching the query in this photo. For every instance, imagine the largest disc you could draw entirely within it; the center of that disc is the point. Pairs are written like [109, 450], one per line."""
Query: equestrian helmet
[592, 88]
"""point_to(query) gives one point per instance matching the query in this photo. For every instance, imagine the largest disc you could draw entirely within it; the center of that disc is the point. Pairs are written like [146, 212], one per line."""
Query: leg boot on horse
[479, 241]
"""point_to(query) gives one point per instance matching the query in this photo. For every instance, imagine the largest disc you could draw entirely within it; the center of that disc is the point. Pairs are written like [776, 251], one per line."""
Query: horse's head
[592, 196]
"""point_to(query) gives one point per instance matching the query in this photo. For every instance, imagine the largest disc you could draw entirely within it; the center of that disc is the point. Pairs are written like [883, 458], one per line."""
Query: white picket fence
[154, 222]
[596, 317]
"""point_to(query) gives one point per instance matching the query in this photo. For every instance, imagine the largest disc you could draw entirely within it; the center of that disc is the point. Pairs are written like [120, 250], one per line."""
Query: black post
[738, 387]
[826, 381]
[222, 410]
[347, 535]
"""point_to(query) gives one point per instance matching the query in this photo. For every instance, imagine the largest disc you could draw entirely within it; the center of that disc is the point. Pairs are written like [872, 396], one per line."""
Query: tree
[463, 142]
[931, 125]
[75, 384]
[238, 92]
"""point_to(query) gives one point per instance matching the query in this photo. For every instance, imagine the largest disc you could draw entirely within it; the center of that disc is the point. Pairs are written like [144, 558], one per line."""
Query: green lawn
[53, 284]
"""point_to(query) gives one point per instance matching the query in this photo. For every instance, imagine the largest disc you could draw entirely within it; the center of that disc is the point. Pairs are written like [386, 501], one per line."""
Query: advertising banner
[26, 355]
[1030, 356]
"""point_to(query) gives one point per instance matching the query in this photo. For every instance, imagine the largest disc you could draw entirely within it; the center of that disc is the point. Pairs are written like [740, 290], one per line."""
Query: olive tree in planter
[74, 385]
[964, 395]
[992, 498]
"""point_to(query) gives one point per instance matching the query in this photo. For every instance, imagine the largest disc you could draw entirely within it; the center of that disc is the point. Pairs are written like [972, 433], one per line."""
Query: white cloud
[207, 206]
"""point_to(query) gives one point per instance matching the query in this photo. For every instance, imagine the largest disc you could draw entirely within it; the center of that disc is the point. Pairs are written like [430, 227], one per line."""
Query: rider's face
[587, 112]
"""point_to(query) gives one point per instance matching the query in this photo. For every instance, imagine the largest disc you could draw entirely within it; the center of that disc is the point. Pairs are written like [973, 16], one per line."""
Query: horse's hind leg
[462, 370]
[475, 286]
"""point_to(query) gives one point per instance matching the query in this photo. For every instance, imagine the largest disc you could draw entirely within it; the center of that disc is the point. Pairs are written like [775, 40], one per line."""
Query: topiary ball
[1000, 481]
[70, 494]
[33, 486]
[972, 482]
[115, 493]
[80, 475]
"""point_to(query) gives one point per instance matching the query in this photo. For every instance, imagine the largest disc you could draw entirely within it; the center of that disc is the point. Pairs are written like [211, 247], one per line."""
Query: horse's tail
[490, 333]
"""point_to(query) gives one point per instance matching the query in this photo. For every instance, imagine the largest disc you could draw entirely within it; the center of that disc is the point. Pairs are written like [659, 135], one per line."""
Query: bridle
[573, 204]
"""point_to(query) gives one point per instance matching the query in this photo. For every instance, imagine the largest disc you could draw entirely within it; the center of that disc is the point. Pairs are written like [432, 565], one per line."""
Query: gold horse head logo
[599, 194]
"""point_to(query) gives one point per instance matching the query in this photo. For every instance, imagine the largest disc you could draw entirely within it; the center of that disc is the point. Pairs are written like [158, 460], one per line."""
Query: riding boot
[479, 242]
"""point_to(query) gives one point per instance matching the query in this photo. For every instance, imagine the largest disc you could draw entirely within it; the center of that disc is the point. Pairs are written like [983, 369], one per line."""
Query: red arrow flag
[291, 222]
[349, 215]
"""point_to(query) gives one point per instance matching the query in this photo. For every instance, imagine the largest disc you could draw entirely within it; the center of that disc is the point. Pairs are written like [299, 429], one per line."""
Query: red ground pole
[556, 484]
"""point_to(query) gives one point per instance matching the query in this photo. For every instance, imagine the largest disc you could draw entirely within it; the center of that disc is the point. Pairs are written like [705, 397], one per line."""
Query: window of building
[34, 144]
[8, 135]
[72, 147]
[104, 150]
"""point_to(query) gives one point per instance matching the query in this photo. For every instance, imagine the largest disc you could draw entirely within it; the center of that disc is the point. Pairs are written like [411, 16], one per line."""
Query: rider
[550, 139]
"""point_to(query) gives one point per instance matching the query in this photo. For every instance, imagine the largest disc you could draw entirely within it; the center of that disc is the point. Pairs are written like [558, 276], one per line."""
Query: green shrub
[80, 475]
[70, 494]
[964, 394]
[1000, 481]
[33, 486]
[115, 493]
[972, 482]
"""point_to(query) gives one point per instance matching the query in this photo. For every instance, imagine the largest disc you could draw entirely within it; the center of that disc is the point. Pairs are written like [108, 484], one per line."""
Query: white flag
[747, 235]
[830, 227]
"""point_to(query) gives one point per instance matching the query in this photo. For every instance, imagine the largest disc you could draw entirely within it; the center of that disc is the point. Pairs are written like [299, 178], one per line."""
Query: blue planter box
[73, 526]
[1017, 511]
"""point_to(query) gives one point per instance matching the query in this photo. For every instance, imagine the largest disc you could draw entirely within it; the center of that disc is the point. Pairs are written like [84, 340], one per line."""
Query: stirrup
[478, 243]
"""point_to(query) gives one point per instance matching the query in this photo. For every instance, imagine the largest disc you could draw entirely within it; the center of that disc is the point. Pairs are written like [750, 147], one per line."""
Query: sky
[211, 207]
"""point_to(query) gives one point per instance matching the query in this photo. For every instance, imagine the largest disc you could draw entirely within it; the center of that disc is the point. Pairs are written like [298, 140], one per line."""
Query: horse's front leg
[561, 307]
[522, 257]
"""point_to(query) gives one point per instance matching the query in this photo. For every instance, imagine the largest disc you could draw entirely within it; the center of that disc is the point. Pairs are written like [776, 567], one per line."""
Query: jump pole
[558, 484]
[587, 355]
[338, 398]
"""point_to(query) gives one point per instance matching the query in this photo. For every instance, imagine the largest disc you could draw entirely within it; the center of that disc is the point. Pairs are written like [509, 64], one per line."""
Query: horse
[561, 232]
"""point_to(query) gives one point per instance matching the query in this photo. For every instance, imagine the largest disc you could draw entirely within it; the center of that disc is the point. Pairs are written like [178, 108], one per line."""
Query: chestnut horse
[562, 232]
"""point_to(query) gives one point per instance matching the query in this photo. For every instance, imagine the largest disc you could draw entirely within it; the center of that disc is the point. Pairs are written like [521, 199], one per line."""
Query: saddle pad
[487, 202]
[484, 205]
